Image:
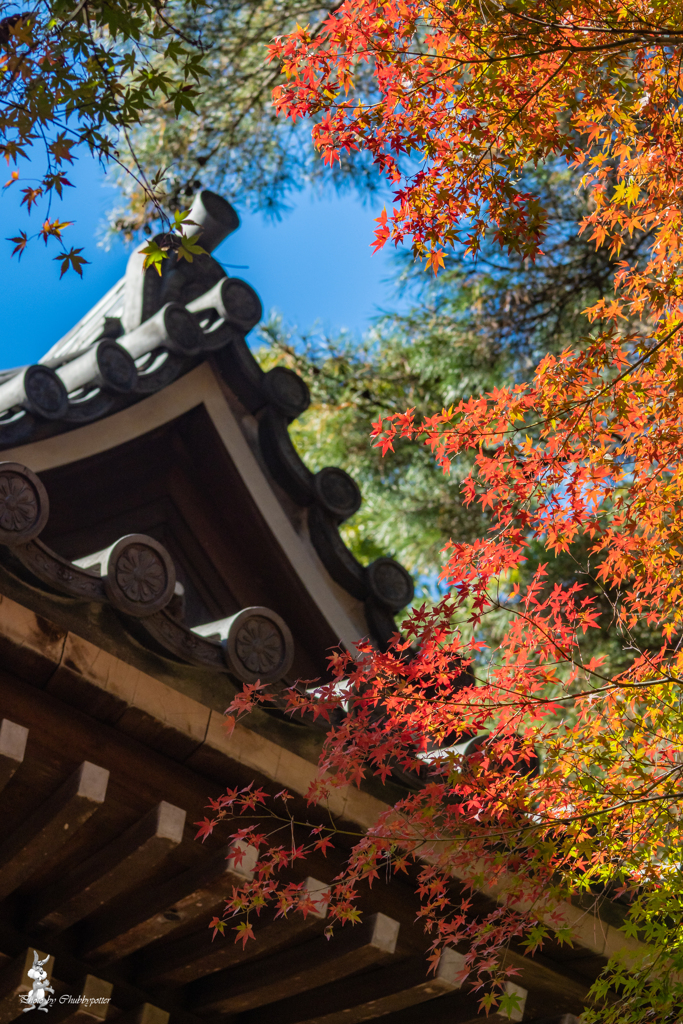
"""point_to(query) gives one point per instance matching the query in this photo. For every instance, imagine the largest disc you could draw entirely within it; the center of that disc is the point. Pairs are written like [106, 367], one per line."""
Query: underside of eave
[54, 681]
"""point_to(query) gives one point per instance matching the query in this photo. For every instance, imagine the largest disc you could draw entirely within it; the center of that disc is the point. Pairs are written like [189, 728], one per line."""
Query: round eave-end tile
[241, 303]
[390, 584]
[286, 391]
[140, 577]
[184, 333]
[259, 645]
[337, 492]
[116, 366]
[45, 393]
[24, 505]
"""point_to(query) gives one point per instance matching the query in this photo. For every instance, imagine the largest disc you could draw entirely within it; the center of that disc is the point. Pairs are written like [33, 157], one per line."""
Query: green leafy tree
[479, 324]
[81, 74]
[231, 140]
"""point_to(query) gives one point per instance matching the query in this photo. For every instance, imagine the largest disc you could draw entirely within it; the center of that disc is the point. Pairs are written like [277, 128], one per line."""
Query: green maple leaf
[154, 255]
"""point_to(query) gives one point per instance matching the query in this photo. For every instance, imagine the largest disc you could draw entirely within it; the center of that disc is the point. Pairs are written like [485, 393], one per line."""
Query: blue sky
[313, 265]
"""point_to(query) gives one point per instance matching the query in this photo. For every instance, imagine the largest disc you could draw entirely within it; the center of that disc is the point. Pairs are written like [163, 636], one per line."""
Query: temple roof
[161, 363]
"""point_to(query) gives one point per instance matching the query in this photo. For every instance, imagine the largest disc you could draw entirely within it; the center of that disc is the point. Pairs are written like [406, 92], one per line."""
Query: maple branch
[598, 29]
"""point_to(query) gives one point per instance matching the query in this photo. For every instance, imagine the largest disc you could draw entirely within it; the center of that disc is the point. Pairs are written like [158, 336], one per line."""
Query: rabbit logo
[37, 998]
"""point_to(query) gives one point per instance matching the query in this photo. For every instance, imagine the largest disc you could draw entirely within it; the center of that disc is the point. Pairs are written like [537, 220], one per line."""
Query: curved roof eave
[154, 343]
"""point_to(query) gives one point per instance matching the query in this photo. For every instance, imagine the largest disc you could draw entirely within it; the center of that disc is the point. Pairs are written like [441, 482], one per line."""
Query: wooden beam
[89, 1004]
[72, 970]
[115, 934]
[12, 747]
[398, 991]
[552, 984]
[468, 1012]
[457, 1007]
[415, 987]
[373, 994]
[298, 969]
[124, 863]
[35, 842]
[564, 1018]
[15, 982]
[145, 1013]
[194, 956]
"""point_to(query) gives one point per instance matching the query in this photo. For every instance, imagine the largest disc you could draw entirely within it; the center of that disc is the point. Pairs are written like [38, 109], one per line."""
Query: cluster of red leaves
[590, 449]
[478, 819]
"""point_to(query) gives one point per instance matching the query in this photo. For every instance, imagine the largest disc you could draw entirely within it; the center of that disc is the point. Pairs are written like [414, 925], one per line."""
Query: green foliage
[178, 241]
[231, 139]
[476, 326]
[82, 74]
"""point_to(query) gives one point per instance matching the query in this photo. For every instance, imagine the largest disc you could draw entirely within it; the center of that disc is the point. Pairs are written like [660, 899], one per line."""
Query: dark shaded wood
[146, 1013]
[141, 776]
[15, 982]
[32, 647]
[195, 956]
[118, 867]
[368, 995]
[88, 1004]
[68, 736]
[458, 1007]
[72, 971]
[550, 983]
[342, 565]
[116, 933]
[565, 1018]
[469, 1012]
[49, 567]
[35, 842]
[181, 641]
[303, 967]
[179, 485]
[447, 1007]
[396, 988]
[12, 748]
